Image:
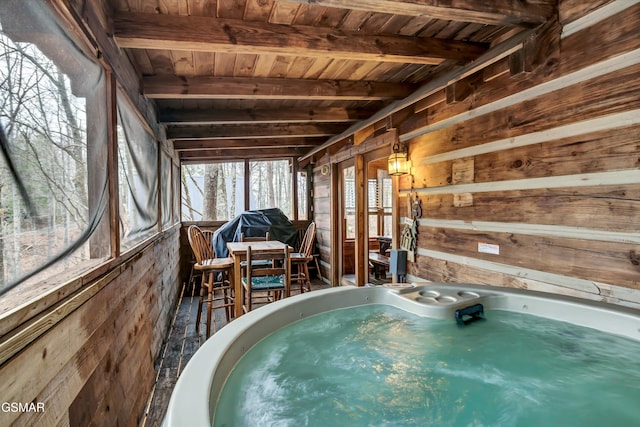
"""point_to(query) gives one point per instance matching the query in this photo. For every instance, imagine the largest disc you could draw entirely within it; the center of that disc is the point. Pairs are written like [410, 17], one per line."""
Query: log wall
[539, 162]
[322, 217]
[540, 167]
[95, 365]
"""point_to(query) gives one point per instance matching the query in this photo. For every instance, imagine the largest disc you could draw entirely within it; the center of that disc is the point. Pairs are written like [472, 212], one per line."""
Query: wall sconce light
[398, 163]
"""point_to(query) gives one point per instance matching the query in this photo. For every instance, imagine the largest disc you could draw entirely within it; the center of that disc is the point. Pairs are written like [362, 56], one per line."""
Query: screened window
[271, 185]
[53, 180]
[216, 191]
[303, 195]
[166, 166]
[349, 202]
[138, 177]
[175, 179]
[213, 191]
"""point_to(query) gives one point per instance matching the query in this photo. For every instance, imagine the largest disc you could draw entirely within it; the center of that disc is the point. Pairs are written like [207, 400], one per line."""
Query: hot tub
[198, 389]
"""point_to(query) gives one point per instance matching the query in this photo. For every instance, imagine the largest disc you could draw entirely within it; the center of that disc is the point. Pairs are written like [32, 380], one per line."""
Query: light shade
[398, 164]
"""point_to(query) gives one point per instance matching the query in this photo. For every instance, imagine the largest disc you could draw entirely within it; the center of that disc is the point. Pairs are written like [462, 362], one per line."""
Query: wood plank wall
[322, 217]
[542, 164]
[96, 366]
[541, 161]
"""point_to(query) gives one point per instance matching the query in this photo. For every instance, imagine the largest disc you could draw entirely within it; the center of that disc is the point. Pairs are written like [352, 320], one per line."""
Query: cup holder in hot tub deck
[468, 294]
[443, 297]
[434, 297]
[429, 293]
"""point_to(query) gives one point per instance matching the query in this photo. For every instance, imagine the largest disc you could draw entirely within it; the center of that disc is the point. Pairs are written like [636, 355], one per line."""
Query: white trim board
[559, 280]
[611, 121]
[597, 16]
[623, 177]
[579, 233]
[592, 71]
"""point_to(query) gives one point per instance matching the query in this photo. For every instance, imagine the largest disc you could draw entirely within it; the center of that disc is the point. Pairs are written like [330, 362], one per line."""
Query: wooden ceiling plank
[283, 13]
[498, 12]
[196, 33]
[258, 10]
[211, 87]
[223, 64]
[244, 66]
[300, 67]
[219, 116]
[269, 130]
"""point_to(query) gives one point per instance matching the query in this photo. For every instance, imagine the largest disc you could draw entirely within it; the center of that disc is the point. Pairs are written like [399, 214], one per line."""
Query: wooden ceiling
[236, 79]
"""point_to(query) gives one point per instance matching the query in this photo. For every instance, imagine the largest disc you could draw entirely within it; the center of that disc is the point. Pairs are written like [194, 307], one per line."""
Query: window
[213, 191]
[138, 177]
[303, 195]
[216, 191]
[166, 167]
[52, 114]
[349, 185]
[271, 185]
[380, 205]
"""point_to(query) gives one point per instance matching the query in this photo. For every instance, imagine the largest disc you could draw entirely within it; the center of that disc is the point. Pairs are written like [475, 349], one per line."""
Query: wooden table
[238, 252]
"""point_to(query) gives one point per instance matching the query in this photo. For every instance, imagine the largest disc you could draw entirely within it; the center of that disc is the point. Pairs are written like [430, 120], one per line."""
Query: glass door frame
[370, 156]
[340, 235]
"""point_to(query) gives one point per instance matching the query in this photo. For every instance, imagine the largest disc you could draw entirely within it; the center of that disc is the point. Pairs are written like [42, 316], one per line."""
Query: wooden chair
[300, 260]
[266, 238]
[208, 235]
[244, 238]
[273, 279]
[194, 275]
[211, 267]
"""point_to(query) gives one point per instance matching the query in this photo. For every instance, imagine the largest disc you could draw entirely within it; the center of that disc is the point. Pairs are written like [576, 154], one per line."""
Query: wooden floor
[181, 343]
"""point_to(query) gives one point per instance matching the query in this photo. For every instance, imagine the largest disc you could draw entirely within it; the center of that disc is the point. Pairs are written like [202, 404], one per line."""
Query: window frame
[293, 175]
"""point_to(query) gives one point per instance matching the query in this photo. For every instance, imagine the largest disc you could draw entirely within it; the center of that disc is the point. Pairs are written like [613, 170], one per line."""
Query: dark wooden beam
[431, 100]
[174, 87]
[268, 130]
[203, 144]
[439, 83]
[462, 89]
[207, 34]
[237, 154]
[524, 13]
[256, 116]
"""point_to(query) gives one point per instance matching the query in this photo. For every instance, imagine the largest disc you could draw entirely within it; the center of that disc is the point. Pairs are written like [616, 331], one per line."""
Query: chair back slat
[269, 271]
[307, 243]
[201, 247]
[261, 256]
[277, 270]
[244, 238]
[208, 235]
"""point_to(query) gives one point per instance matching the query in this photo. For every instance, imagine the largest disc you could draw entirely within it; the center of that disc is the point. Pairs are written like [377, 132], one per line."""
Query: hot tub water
[379, 365]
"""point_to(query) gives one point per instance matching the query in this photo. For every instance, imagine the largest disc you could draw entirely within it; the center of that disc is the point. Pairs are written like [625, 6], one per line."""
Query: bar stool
[211, 267]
